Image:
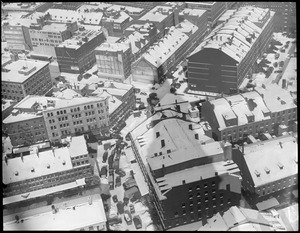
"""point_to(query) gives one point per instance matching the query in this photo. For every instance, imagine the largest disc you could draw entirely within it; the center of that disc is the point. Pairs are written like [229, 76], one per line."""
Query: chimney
[280, 144]
[6, 160]
[163, 169]
[162, 143]
[190, 126]
[157, 134]
[196, 136]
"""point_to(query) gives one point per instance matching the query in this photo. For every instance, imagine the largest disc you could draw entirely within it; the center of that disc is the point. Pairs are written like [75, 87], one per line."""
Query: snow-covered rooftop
[77, 146]
[157, 14]
[194, 12]
[113, 47]
[270, 156]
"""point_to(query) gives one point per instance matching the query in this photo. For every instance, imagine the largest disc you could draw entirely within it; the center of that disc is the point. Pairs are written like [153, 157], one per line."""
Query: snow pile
[259, 79]
[150, 227]
[146, 219]
[140, 208]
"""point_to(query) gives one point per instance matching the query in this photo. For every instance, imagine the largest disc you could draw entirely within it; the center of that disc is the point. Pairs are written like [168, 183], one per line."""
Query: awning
[264, 205]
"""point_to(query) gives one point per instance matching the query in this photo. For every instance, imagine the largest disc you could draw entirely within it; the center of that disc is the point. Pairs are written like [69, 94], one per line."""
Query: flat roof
[67, 217]
[78, 146]
[59, 160]
[194, 12]
[269, 154]
[112, 47]
[14, 76]
[54, 27]
[130, 9]
[23, 116]
[157, 14]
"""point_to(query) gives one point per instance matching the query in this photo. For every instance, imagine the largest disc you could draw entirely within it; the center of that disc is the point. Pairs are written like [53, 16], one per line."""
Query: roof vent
[280, 165]
[32, 169]
[16, 173]
[48, 165]
[169, 151]
[257, 173]
[267, 170]
[64, 162]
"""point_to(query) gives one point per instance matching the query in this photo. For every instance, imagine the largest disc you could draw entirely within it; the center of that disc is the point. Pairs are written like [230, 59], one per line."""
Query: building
[283, 107]
[116, 22]
[48, 35]
[273, 176]
[81, 213]
[227, 55]
[146, 5]
[195, 16]
[114, 61]
[168, 52]
[27, 7]
[25, 77]
[285, 14]
[45, 169]
[242, 219]
[76, 54]
[7, 107]
[134, 12]
[188, 188]
[67, 5]
[215, 10]
[162, 17]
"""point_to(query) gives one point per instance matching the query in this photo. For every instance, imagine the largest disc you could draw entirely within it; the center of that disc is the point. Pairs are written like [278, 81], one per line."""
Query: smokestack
[162, 143]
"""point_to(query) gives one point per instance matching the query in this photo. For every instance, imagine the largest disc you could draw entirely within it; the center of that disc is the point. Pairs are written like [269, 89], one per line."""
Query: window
[191, 196]
[191, 203]
[190, 189]
[176, 214]
[198, 187]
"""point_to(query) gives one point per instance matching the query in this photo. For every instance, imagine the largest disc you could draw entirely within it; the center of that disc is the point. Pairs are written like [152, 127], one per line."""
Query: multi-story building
[77, 54]
[195, 16]
[285, 14]
[25, 77]
[114, 61]
[161, 16]
[146, 5]
[149, 30]
[116, 22]
[215, 10]
[226, 56]
[167, 53]
[243, 219]
[45, 169]
[134, 12]
[269, 169]
[84, 213]
[187, 188]
[26, 7]
[283, 107]
[67, 5]
[47, 35]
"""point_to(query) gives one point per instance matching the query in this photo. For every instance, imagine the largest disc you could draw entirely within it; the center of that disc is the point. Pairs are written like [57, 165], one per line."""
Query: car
[131, 207]
[103, 171]
[114, 220]
[115, 198]
[120, 207]
[143, 93]
[137, 222]
[121, 172]
[137, 90]
[104, 157]
[118, 181]
[129, 183]
[127, 217]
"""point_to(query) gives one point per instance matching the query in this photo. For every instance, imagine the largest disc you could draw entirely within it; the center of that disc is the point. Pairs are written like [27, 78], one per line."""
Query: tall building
[226, 56]
[276, 173]
[188, 188]
[161, 16]
[45, 169]
[48, 35]
[215, 10]
[285, 14]
[77, 54]
[114, 61]
[242, 219]
[25, 77]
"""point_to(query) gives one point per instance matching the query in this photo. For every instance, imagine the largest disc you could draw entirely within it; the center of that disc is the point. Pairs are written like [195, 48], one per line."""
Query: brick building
[25, 77]
[226, 56]
[77, 54]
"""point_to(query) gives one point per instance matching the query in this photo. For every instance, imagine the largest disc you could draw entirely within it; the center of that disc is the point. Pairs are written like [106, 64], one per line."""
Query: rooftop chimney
[162, 143]
[280, 144]
[196, 136]
[157, 134]
[190, 126]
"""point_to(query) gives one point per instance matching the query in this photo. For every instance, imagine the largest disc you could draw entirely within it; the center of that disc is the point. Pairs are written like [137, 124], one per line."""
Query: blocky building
[226, 56]
[77, 54]
[25, 77]
[189, 188]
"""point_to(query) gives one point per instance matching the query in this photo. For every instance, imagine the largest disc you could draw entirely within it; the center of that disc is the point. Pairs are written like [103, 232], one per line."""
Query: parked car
[114, 220]
[131, 207]
[127, 217]
[115, 198]
[121, 172]
[137, 222]
[118, 181]
[103, 171]
[104, 157]
[120, 207]
[143, 93]
[129, 183]
[275, 64]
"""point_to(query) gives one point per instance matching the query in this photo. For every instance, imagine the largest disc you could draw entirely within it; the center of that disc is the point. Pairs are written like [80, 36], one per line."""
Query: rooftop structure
[157, 14]
[128, 9]
[272, 165]
[21, 70]
[82, 213]
[79, 38]
[276, 98]
[115, 47]
[119, 17]
[77, 146]
[242, 219]
[194, 12]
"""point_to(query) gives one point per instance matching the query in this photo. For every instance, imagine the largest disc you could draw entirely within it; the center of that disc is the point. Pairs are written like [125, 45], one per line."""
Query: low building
[228, 54]
[114, 61]
[28, 7]
[276, 173]
[188, 188]
[45, 169]
[242, 219]
[134, 12]
[67, 5]
[25, 77]
[77, 54]
[80, 213]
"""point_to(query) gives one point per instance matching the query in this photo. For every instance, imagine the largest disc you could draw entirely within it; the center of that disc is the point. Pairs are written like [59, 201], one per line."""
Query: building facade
[114, 61]
[25, 77]
[76, 55]
[227, 55]
[274, 176]
[190, 188]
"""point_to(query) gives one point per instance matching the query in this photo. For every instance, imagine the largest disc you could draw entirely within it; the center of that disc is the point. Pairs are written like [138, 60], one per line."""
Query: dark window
[228, 187]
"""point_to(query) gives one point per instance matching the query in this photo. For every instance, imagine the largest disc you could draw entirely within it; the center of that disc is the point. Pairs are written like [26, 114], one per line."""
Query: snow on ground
[259, 79]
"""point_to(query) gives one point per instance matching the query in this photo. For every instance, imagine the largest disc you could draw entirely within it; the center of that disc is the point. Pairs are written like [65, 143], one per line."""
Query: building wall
[78, 60]
[17, 38]
[26, 132]
[142, 71]
[89, 117]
